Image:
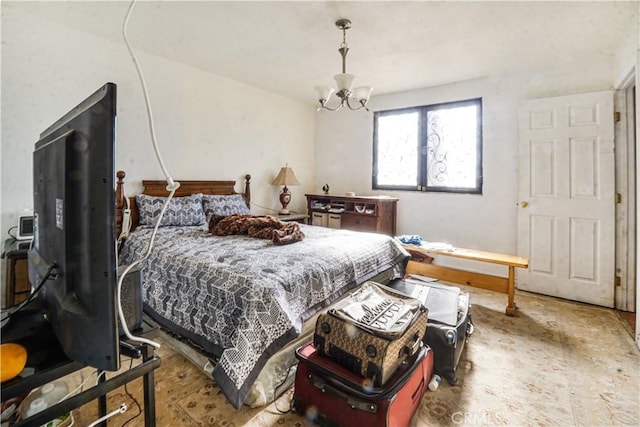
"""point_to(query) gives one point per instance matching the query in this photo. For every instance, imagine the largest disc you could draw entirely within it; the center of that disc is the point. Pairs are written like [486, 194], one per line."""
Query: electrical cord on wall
[13, 236]
[270, 209]
[264, 207]
[172, 186]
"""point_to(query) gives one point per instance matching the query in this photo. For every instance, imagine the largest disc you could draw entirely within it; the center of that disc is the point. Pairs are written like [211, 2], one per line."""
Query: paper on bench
[422, 278]
[438, 246]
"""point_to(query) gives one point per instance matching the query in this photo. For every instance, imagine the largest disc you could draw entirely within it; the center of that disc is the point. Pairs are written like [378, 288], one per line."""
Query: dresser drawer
[319, 219]
[334, 220]
[359, 222]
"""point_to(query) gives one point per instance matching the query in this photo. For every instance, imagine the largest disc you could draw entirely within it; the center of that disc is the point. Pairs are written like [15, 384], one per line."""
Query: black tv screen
[75, 232]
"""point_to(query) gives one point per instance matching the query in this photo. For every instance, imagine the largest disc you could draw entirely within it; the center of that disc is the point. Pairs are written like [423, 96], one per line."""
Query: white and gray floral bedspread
[242, 298]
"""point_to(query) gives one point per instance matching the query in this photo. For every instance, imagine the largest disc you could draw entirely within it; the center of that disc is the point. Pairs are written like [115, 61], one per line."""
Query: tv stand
[49, 363]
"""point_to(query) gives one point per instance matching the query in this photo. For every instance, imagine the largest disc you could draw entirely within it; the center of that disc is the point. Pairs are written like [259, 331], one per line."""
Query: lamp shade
[286, 177]
[324, 92]
[362, 93]
[344, 81]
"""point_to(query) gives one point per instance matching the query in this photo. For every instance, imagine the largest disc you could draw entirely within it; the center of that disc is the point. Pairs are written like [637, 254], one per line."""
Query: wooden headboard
[187, 187]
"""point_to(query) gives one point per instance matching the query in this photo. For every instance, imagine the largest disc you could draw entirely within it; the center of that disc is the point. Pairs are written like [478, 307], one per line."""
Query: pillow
[181, 211]
[224, 205]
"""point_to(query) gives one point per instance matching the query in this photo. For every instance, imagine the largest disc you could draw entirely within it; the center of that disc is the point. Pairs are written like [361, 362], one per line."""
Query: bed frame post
[247, 190]
[120, 201]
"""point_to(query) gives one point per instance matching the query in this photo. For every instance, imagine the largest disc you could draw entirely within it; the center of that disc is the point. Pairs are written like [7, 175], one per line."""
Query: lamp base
[285, 198]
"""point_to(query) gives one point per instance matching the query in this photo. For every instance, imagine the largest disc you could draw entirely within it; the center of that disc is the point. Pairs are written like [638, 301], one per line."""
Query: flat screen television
[75, 231]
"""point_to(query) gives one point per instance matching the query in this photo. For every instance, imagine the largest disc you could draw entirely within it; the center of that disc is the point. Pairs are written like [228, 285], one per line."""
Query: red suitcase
[330, 395]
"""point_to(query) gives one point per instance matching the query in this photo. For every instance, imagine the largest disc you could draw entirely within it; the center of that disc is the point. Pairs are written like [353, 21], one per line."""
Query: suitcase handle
[409, 350]
[362, 405]
[470, 326]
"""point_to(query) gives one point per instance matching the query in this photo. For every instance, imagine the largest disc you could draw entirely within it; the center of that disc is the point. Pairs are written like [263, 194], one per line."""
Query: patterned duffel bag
[372, 331]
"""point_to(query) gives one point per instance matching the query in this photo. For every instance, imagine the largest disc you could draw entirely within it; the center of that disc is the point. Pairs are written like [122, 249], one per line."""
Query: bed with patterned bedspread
[242, 298]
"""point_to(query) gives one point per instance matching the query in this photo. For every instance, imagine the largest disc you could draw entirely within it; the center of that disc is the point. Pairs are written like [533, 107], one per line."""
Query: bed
[239, 299]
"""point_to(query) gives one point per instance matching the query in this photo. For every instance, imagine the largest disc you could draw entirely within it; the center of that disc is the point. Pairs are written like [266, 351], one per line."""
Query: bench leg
[511, 305]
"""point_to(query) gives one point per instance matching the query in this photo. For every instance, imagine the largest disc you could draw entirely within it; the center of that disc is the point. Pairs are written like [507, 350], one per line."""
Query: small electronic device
[25, 226]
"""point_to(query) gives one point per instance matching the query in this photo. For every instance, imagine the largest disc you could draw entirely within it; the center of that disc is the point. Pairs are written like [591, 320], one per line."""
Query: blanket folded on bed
[260, 226]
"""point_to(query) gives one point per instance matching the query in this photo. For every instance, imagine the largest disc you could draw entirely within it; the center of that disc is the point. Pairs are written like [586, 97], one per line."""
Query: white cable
[121, 409]
[125, 328]
[72, 392]
[171, 185]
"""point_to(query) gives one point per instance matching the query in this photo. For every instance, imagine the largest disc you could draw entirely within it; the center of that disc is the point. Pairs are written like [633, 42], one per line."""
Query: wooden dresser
[360, 213]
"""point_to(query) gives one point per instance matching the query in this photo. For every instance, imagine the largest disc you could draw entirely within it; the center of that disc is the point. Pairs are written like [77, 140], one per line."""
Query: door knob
[524, 205]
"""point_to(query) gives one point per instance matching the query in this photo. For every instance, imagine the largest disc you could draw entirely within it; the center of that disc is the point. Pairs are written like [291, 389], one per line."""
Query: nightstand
[15, 272]
[302, 218]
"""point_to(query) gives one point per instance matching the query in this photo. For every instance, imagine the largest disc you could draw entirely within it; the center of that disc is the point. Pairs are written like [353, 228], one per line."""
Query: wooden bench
[420, 263]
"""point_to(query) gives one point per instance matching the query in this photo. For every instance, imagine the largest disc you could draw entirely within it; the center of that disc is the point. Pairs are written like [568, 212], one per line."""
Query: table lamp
[285, 177]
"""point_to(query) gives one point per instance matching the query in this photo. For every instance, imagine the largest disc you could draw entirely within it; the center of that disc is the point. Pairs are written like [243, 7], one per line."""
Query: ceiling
[289, 47]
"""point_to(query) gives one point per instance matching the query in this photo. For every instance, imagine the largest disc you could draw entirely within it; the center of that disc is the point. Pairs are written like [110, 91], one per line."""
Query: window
[431, 148]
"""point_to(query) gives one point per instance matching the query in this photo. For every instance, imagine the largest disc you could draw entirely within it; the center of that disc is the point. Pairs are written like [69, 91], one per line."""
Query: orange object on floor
[13, 358]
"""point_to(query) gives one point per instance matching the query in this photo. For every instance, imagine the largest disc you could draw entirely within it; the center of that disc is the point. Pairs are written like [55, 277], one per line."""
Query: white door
[566, 213]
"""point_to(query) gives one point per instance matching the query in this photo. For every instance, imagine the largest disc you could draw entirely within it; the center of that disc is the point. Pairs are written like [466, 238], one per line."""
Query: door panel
[542, 244]
[566, 212]
[542, 169]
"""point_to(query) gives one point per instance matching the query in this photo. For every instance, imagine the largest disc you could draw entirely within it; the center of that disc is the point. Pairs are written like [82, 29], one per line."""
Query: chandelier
[344, 80]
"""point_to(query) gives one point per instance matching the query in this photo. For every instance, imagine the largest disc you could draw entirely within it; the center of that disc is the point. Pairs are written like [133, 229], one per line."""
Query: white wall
[624, 59]
[487, 221]
[208, 127]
